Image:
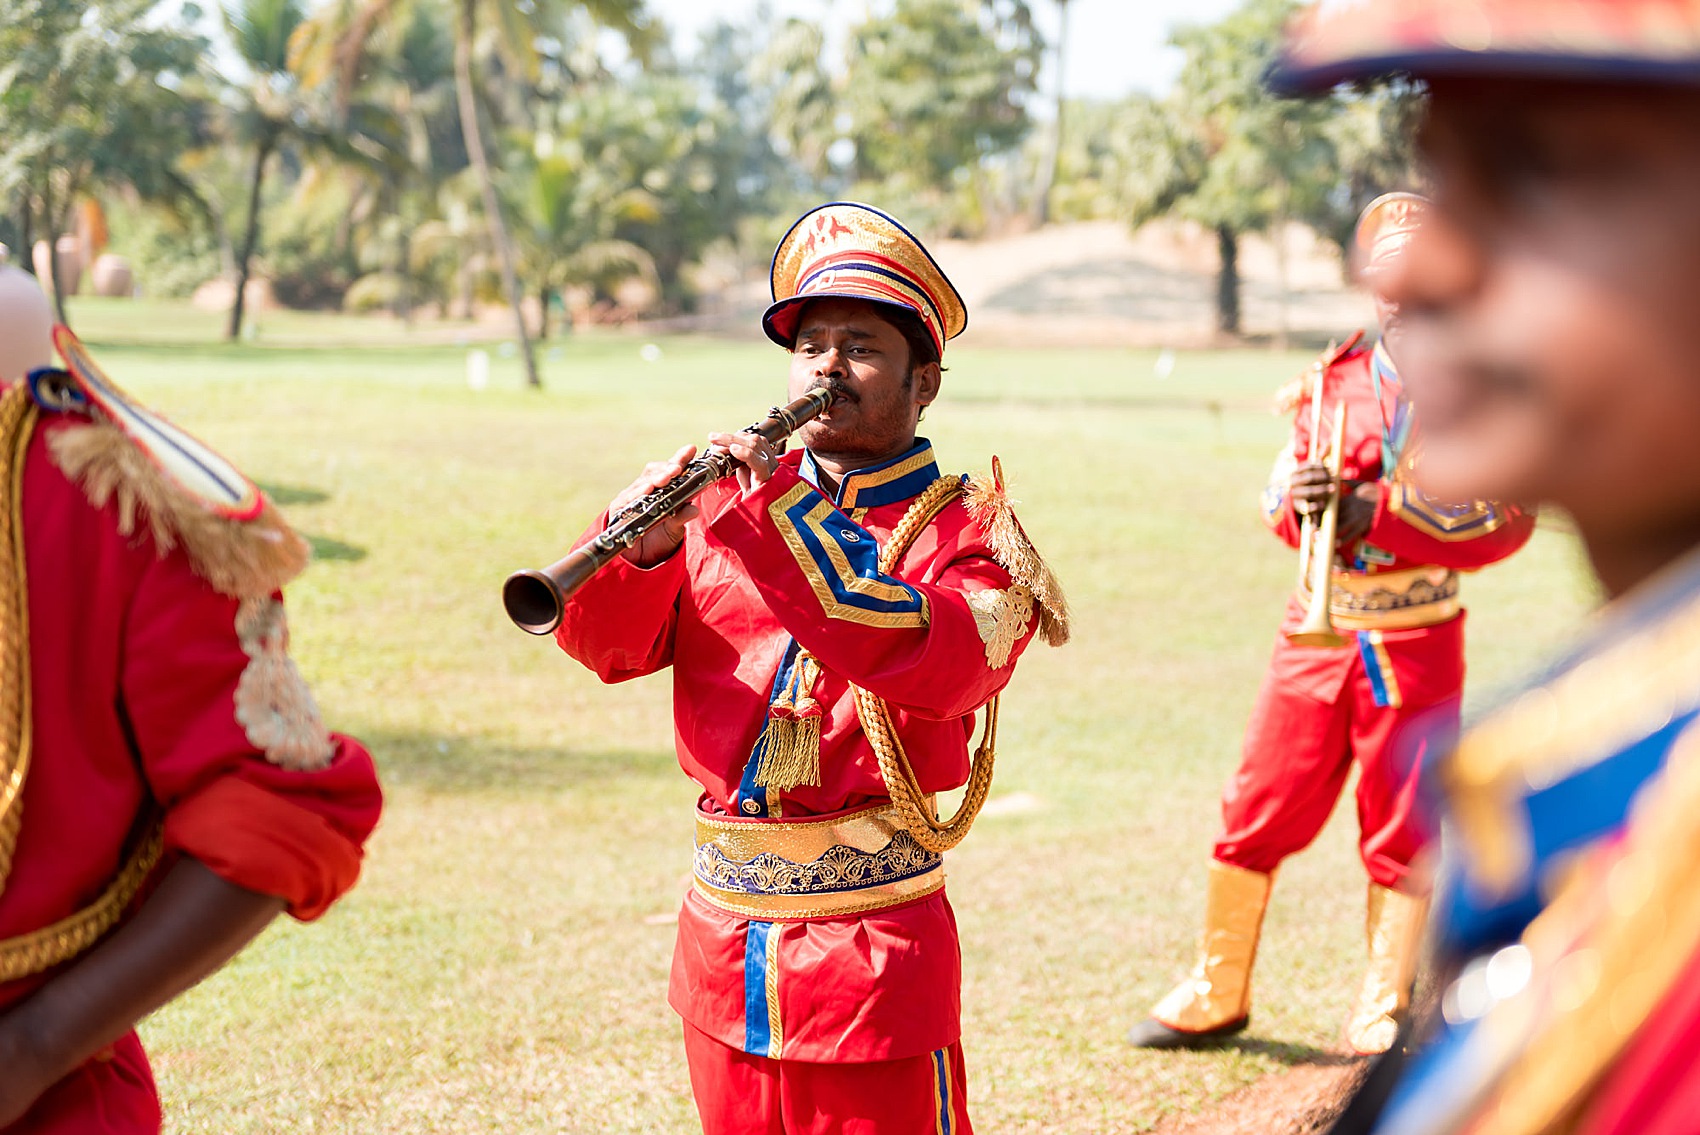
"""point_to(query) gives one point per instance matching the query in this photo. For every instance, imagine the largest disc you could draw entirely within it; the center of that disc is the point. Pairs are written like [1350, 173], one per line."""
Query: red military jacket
[142, 677]
[760, 575]
[1411, 531]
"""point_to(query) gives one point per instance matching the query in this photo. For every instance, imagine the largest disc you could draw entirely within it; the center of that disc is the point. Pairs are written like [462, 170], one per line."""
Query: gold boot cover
[1394, 928]
[1218, 991]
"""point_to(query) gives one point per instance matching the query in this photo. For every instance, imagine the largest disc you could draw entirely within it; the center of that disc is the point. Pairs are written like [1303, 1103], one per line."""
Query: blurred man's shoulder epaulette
[989, 505]
[156, 474]
[1297, 390]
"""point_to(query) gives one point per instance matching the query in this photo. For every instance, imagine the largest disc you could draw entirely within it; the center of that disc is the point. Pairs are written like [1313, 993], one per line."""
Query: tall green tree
[411, 82]
[260, 30]
[93, 99]
[566, 226]
[803, 97]
[512, 32]
[1219, 150]
[936, 86]
[670, 162]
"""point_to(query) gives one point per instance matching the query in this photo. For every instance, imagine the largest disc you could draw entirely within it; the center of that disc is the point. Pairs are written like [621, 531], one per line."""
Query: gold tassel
[989, 504]
[790, 746]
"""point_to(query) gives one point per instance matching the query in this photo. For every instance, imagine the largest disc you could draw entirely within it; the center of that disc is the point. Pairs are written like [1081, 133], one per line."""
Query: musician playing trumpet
[835, 619]
[1390, 614]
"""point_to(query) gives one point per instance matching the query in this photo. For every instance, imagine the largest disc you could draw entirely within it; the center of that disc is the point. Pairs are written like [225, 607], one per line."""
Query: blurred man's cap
[1338, 41]
[1385, 227]
[857, 252]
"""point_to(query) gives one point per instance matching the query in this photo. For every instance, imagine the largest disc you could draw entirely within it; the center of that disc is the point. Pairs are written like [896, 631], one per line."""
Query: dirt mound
[1098, 284]
[1304, 1100]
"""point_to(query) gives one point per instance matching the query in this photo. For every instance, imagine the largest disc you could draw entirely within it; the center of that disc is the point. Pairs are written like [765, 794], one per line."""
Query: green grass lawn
[502, 966]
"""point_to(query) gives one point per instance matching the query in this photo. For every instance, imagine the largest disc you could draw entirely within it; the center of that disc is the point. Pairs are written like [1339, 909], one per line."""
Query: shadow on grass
[458, 764]
[1289, 1054]
[334, 550]
[170, 346]
[282, 495]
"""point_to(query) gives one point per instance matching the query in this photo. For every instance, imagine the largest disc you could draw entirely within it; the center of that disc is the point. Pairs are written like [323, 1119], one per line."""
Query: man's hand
[1312, 487]
[757, 459]
[664, 539]
[756, 456]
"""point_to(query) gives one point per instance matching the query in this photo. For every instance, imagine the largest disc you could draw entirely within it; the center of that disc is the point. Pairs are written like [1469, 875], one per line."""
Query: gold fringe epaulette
[1296, 391]
[992, 509]
[245, 559]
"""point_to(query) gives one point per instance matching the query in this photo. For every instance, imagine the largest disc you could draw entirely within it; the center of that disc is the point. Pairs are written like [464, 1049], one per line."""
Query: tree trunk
[26, 227]
[404, 277]
[467, 98]
[52, 225]
[543, 293]
[250, 235]
[1228, 281]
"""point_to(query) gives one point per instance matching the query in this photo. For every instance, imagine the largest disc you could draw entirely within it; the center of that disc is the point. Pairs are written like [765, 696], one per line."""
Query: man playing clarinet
[835, 619]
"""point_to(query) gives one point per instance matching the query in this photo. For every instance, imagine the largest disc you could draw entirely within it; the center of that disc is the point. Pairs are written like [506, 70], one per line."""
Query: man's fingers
[755, 453]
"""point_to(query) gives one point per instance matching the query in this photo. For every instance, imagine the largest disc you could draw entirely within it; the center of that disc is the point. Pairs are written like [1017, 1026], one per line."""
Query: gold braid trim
[17, 422]
[994, 512]
[29, 954]
[913, 813]
[247, 559]
[32, 953]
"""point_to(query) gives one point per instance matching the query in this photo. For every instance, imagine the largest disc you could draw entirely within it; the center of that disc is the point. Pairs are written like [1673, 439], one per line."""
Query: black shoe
[1152, 1033]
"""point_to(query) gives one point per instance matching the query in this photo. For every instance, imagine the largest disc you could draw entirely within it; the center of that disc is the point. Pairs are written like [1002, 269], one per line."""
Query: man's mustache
[840, 392]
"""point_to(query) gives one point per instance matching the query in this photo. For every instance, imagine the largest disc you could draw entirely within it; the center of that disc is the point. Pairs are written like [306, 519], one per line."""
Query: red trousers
[740, 1094]
[1317, 714]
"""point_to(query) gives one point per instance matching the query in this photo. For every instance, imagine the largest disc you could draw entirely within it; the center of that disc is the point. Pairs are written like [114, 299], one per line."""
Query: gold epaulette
[245, 559]
[993, 510]
[1296, 391]
[29, 954]
[151, 470]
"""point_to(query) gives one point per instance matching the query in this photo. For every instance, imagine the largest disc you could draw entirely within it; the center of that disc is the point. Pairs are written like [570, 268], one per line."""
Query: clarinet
[536, 600]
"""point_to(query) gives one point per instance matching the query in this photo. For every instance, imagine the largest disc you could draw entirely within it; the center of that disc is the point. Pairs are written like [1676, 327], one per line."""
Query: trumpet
[1317, 539]
[536, 600]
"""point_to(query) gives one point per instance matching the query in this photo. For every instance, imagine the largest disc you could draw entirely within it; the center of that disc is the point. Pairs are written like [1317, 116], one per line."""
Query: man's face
[1392, 328]
[1550, 307]
[848, 345]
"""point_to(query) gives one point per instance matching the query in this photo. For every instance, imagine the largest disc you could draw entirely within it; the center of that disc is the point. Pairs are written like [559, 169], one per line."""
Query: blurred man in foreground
[834, 621]
[1553, 343]
[166, 785]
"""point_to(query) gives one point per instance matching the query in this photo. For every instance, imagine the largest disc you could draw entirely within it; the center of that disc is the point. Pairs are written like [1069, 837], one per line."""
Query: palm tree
[515, 27]
[261, 30]
[567, 232]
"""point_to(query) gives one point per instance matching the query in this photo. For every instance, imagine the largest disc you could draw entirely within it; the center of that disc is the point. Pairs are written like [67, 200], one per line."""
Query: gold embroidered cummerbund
[775, 870]
[1392, 600]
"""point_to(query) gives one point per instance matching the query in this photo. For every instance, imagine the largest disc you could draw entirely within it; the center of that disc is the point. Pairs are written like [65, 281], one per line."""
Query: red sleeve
[919, 645]
[1417, 527]
[295, 832]
[1278, 514]
[620, 622]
